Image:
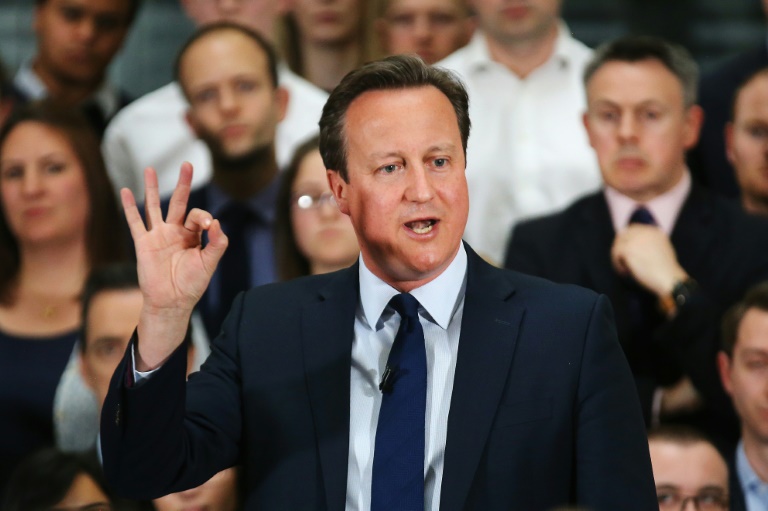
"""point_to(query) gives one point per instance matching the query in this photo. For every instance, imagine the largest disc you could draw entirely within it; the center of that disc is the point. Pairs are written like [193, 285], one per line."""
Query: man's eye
[108, 23]
[245, 86]
[758, 131]
[441, 162]
[71, 14]
[205, 96]
[388, 169]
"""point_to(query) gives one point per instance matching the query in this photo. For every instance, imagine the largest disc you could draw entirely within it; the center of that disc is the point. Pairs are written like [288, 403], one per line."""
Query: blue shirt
[755, 489]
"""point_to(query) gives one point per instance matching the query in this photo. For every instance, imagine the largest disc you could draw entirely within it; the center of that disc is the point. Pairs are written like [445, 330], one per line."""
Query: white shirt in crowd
[528, 152]
[152, 132]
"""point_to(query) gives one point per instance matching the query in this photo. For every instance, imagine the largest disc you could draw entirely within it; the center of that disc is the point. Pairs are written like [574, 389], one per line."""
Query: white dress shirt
[107, 96]
[528, 153]
[152, 132]
[440, 312]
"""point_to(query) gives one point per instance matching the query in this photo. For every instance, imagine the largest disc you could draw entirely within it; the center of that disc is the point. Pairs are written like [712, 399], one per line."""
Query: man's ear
[694, 118]
[724, 368]
[585, 122]
[283, 98]
[83, 369]
[192, 122]
[339, 187]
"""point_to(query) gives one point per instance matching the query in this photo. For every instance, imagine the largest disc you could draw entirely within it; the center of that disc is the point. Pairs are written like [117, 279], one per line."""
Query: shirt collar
[439, 297]
[665, 208]
[26, 80]
[262, 205]
[750, 481]
[479, 56]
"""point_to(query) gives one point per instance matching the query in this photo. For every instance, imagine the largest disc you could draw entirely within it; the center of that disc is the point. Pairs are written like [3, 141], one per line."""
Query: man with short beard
[228, 74]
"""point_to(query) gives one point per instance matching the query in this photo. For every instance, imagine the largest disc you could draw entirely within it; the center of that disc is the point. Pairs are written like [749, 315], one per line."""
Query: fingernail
[207, 222]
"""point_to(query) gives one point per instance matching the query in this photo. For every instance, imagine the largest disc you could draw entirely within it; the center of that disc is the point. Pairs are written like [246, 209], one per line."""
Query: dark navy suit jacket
[543, 411]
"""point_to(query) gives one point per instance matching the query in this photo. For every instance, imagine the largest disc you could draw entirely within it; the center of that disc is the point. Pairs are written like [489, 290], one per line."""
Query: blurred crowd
[621, 168]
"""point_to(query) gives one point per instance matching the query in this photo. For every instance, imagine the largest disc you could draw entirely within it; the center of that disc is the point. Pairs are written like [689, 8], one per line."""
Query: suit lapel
[695, 232]
[593, 233]
[489, 332]
[327, 334]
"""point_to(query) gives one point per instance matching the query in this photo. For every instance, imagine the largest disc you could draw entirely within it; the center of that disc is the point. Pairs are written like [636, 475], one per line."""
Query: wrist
[680, 294]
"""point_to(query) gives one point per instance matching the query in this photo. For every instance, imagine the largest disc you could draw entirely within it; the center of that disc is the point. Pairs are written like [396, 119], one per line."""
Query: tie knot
[642, 216]
[406, 305]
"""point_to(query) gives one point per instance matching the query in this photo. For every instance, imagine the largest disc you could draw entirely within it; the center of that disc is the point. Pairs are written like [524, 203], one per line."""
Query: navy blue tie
[642, 216]
[398, 458]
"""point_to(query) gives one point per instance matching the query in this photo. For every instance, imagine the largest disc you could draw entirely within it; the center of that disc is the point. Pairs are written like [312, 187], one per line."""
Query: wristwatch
[680, 295]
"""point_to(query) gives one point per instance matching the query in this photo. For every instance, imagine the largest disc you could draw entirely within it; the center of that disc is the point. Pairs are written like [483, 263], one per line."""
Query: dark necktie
[398, 458]
[641, 215]
[643, 313]
[234, 267]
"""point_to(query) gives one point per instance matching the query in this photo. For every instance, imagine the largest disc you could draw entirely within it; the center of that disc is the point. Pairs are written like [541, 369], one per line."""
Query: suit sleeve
[613, 462]
[167, 435]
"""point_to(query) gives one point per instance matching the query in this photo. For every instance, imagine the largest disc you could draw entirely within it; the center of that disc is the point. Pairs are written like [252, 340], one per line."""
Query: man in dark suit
[76, 42]
[746, 141]
[670, 255]
[743, 364]
[515, 391]
[709, 164]
[228, 74]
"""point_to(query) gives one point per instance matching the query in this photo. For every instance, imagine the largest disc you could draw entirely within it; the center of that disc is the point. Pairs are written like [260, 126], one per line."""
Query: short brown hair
[763, 71]
[224, 26]
[392, 73]
[755, 298]
[105, 236]
[637, 48]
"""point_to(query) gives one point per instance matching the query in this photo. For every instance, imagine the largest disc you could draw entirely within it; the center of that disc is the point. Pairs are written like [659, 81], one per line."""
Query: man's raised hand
[174, 270]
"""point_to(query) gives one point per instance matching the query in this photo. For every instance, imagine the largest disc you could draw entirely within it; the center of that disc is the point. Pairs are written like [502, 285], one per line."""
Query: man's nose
[628, 127]
[419, 184]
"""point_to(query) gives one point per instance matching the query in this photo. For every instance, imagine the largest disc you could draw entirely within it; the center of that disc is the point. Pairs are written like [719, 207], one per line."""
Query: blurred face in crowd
[639, 126]
[328, 22]
[42, 184]
[407, 192]
[84, 493]
[747, 142]
[259, 15]
[323, 234]
[688, 470]
[234, 106]
[745, 376]
[432, 29]
[517, 21]
[219, 493]
[77, 39]
[112, 316]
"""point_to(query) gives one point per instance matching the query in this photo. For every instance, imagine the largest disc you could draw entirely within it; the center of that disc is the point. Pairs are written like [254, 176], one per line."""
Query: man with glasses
[689, 471]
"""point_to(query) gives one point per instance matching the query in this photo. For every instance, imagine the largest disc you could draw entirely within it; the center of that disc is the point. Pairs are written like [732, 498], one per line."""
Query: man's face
[234, 107]
[516, 21]
[432, 29]
[407, 192]
[77, 39]
[745, 375]
[639, 126]
[687, 470]
[259, 15]
[747, 139]
[112, 317]
[328, 23]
